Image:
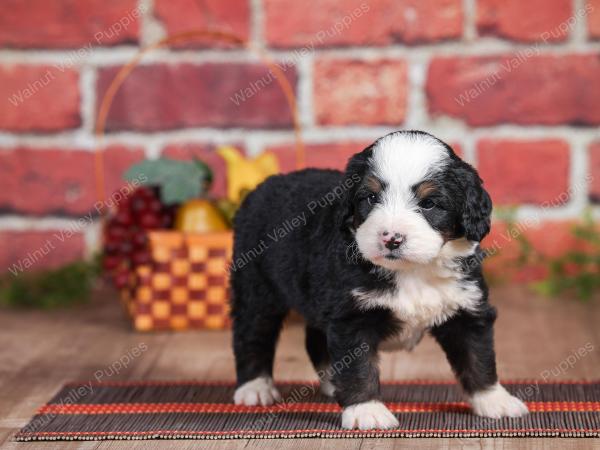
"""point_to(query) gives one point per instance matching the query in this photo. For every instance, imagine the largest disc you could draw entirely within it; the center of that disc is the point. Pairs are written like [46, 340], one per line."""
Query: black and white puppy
[378, 256]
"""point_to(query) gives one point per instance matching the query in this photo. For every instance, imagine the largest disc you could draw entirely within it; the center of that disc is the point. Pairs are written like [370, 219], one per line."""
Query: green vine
[577, 271]
[54, 288]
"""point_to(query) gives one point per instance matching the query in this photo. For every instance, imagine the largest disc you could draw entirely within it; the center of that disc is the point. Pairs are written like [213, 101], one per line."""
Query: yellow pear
[199, 216]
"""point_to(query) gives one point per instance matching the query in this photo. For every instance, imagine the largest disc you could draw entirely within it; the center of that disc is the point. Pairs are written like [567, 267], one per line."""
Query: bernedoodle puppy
[373, 258]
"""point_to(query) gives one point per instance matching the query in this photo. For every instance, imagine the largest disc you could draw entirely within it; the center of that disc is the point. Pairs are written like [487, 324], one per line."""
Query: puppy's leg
[257, 319]
[316, 347]
[254, 338]
[468, 340]
[355, 376]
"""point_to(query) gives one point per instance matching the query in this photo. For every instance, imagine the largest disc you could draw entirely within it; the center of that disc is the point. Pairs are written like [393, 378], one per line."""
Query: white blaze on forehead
[403, 160]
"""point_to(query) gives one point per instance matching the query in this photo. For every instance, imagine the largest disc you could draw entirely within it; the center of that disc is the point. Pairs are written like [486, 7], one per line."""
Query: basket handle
[216, 35]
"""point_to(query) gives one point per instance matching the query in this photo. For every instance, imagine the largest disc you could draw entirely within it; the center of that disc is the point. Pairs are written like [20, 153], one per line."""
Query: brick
[26, 250]
[164, 97]
[324, 156]
[206, 153]
[592, 8]
[534, 172]
[40, 98]
[290, 23]
[521, 89]
[360, 92]
[525, 21]
[68, 23]
[594, 175]
[58, 181]
[228, 16]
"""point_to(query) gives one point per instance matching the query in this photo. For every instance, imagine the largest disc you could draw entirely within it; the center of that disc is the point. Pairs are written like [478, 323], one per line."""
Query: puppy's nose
[392, 241]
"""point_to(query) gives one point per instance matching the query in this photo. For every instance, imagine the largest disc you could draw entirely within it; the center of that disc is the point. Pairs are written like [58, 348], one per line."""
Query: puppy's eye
[426, 204]
[372, 199]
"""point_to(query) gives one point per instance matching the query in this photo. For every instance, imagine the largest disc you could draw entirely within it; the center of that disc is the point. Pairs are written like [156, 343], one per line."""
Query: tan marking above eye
[373, 184]
[425, 188]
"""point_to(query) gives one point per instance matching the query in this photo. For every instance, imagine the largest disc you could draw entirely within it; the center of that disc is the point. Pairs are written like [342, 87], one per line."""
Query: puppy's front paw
[495, 402]
[259, 391]
[368, 416]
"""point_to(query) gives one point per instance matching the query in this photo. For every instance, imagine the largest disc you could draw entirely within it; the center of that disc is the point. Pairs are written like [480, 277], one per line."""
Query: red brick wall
[515, 85]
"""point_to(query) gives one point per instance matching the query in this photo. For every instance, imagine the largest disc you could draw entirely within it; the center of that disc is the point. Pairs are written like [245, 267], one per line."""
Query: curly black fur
[294, 249]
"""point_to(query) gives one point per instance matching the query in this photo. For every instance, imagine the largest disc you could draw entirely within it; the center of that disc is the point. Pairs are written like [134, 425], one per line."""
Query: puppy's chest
[421, 300]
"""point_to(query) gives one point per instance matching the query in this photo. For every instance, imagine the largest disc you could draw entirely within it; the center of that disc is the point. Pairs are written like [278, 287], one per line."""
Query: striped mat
[198, 410]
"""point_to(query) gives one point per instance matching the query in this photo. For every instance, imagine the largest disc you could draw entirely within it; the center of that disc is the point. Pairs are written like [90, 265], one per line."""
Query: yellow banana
[244, 174]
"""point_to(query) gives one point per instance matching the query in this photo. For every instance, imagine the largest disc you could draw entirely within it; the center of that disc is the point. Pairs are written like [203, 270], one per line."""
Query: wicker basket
[185, 286]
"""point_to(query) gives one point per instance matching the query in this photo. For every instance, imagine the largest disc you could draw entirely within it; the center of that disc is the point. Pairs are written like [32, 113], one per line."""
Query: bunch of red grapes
[126, 233]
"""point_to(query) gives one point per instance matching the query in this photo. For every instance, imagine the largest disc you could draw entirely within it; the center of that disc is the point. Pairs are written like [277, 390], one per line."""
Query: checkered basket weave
[185, 285]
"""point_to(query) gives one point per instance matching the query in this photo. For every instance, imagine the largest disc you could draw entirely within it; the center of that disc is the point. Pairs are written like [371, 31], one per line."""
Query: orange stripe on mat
[148, 408]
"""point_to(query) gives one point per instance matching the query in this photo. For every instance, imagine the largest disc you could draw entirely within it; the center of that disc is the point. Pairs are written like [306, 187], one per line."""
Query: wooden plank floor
[42, 350]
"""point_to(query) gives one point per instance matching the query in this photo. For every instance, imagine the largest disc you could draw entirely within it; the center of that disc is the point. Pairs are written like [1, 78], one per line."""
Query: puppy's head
[414, 196]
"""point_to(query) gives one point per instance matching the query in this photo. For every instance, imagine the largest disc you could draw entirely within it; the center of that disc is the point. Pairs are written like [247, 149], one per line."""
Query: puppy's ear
[477, 206]
[355, 172]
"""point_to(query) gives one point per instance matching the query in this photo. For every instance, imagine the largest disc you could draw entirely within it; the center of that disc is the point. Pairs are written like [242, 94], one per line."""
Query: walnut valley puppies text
[288, 226]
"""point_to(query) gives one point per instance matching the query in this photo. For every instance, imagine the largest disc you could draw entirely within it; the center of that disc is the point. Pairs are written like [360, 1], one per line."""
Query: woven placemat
[197, 410]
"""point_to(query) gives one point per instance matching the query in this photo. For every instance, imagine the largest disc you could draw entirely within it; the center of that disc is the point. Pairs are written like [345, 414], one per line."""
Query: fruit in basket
[245, 174]
[185, 184]
[174, 194]
[179, 181]
[200, 216]
[125, 234]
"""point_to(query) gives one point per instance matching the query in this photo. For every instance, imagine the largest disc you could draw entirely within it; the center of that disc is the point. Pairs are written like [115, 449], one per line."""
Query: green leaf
[179, 180]
[205, 170]
[173, 192]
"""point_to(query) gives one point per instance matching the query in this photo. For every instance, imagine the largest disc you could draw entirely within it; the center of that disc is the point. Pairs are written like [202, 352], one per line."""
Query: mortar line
[257, 24]
[484, 46]
[469, 20]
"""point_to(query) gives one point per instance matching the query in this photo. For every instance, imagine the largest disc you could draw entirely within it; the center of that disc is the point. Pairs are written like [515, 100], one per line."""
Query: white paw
[495, 402]
[259, 391]
[368, 416]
